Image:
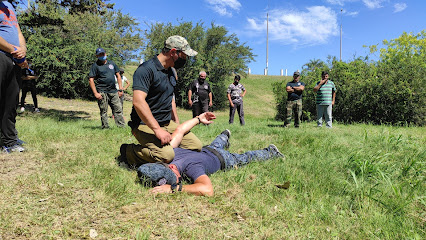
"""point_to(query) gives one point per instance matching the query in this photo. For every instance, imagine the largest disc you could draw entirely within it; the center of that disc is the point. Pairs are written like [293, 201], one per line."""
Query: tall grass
[350, 182]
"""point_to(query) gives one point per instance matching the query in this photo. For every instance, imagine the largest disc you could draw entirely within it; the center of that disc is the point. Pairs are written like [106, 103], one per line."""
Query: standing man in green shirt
[102, 82]
[326, 95]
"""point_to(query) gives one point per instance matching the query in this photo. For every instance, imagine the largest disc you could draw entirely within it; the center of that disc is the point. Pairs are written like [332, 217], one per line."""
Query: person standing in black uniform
[200, 95]
[29, 85]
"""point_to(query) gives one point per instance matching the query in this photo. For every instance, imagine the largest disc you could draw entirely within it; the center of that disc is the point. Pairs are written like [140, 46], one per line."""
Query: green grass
[350, 182]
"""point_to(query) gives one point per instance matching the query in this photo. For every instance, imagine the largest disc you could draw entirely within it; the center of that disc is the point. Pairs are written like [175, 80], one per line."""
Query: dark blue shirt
[104, 75]
[192, 164]
[152, 78]
[296, 95]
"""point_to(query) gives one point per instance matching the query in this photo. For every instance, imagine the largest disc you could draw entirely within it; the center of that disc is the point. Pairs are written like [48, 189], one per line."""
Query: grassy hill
[350, 182]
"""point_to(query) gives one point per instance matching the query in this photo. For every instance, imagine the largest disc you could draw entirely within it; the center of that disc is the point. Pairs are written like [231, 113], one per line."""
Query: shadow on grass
[276, 125]
[58, 115]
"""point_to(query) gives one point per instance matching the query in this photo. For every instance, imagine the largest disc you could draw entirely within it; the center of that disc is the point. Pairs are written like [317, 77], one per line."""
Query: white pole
[286, 72]
[267, 36]
[341, 13]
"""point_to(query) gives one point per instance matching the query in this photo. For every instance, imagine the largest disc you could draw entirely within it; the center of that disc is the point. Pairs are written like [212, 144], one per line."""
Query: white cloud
[352, 14]
[399, 7]
[312, 27]
[373, 4]
[340, 2]
[224, 7]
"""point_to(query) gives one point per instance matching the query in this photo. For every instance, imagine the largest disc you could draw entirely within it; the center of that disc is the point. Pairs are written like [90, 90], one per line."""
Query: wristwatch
[120, 90]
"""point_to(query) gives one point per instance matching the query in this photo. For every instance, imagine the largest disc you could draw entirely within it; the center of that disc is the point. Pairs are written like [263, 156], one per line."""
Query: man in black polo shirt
[294, 100]
[102, 82]
[153, 103]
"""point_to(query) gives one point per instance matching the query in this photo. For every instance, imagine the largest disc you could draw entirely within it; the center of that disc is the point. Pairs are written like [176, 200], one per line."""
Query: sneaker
[5, 150]
[22, 109]
[20, 142]
[274, 151]
[16, 148]
[227, 132]
[36, 110]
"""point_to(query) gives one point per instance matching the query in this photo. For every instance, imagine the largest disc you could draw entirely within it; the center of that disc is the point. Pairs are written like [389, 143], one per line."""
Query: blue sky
[299, 30]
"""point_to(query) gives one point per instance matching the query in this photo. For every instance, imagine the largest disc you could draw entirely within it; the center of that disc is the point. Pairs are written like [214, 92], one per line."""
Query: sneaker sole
[279, 154]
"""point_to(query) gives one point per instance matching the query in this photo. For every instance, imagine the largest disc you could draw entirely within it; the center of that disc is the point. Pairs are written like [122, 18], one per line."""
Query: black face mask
[201, 80]
[180, 62]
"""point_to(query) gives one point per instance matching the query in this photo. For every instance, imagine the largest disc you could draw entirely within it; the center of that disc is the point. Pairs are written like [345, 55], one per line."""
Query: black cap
[99, 51]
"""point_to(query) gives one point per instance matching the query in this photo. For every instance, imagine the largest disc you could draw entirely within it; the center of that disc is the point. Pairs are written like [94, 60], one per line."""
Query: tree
[313, 64]
[61, 42]
[219, 54]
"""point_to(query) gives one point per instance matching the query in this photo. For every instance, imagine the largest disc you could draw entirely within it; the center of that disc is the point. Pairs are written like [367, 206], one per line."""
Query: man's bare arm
[185, 127]
[202, 187]
[175, 116]
[5, 46]
[93, 87]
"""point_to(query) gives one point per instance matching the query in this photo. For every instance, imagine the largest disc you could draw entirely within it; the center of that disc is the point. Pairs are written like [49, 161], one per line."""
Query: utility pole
[341, 13]
[267, 42]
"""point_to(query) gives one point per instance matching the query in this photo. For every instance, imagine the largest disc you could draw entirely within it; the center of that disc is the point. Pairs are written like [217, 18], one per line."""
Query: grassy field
[350, 182]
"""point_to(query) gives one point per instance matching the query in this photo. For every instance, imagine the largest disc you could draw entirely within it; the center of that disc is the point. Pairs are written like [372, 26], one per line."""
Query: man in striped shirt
[326, 94]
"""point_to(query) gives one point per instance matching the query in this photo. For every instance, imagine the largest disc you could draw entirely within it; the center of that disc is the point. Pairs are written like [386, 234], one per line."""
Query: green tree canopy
[220, 55]
[62, 37]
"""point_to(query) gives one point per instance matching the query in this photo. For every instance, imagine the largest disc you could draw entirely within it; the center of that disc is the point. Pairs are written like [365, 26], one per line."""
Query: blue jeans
[326, 111]
[233, 159]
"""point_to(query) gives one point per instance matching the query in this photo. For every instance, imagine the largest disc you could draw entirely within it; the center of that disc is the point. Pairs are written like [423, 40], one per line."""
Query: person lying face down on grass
[196, 166]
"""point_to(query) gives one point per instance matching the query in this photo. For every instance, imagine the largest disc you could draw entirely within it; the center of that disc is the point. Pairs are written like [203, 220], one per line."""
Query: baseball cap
[99, 51]
[121, 69]
[296, 73]
[181, 44]
[157, 174]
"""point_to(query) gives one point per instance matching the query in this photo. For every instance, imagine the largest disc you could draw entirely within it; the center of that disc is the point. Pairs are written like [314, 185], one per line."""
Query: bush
[389, 91]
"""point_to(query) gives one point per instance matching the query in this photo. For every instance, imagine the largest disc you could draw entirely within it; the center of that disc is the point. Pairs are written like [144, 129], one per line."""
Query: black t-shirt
[200, 91]
[152, 78]
[104, 75]
[296, 95]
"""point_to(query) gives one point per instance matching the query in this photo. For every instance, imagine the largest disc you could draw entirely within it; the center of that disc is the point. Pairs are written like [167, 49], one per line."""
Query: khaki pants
[150, 149]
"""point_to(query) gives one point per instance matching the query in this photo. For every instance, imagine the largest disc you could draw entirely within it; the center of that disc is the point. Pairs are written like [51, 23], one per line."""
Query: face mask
[180, 62]
[103, 58]
[236, 82]
[200, 80]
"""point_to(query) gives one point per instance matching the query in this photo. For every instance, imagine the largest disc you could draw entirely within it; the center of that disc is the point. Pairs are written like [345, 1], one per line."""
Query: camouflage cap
[181, 44]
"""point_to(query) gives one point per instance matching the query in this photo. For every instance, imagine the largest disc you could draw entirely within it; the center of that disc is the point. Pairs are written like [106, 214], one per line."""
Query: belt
[6, 53]
[218, 155]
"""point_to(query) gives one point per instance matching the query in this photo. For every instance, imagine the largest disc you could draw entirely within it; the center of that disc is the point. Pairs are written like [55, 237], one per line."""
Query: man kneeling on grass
[167, 178]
